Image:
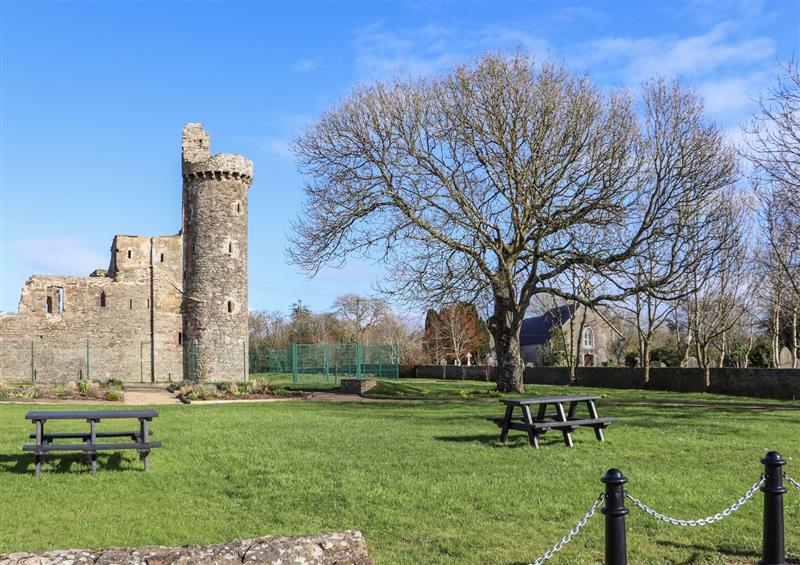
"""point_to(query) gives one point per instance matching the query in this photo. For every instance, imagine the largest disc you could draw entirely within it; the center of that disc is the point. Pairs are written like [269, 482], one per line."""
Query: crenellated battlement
[227, 166]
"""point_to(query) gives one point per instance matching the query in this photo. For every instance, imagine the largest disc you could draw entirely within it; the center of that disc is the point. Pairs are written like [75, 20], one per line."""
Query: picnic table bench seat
[139, 439]
[86, 435]
[90, 447]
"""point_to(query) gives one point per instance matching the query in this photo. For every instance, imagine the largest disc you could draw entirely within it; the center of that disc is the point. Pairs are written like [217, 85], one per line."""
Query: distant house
[591, 337]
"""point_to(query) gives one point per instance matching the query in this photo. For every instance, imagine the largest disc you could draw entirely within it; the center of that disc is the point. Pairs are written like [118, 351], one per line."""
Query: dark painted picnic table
[565, 420]
[44, 441]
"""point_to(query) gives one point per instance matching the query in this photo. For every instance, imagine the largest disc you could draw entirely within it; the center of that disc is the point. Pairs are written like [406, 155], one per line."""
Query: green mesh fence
[331, 362]
[279, 361]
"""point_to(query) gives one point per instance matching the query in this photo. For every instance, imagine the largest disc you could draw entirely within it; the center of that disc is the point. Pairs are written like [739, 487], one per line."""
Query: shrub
[258, 386]
[114, 395]
[232, 388]
[113, 384]
[92, 390]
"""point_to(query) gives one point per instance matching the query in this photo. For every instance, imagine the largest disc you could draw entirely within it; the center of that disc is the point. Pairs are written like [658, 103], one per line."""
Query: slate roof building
[591, 337]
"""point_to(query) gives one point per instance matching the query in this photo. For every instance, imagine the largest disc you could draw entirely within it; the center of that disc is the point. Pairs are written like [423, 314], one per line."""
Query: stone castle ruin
[167, 308]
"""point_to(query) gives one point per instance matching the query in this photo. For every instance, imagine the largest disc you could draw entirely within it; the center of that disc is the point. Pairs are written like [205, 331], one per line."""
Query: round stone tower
[214, 259]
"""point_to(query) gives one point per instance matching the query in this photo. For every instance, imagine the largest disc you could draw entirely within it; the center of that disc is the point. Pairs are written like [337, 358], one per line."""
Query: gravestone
[785, 360]
[691, 363]
[657, 365]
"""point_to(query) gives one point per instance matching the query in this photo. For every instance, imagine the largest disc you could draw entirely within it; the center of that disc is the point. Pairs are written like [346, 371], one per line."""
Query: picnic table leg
[143, 438]
[532, 434]
[571, 413]
[92, 441]
[506, 423]
[562, 417]
[39, 440]
[598, 430]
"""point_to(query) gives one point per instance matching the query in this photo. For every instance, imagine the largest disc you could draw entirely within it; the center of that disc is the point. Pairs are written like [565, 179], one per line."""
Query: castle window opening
[238, 208]
[54, 301]
[130, 304]
[230, 247]
[129, 253]
[180, 338]
[230, 306]
[147, 303]
[102, 299]
[162, 258]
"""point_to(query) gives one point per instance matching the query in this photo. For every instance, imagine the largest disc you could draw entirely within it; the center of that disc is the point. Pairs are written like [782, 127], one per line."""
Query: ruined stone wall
[215, 259]
[100, 327]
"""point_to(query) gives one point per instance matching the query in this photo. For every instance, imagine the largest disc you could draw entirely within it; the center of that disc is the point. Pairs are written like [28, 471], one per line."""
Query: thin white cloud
[644, 57]
[305, 65]
[505, 37]
[381, 53]
[59, 255]
[731, 95]
[426, 50]
[277, 147]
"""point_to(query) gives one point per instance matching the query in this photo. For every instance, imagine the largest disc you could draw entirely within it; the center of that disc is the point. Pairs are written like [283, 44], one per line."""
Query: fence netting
[328, 362]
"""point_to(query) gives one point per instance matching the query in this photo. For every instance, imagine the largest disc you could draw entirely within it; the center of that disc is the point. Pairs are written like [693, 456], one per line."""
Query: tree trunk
[645, 355]
[794, 339]
[509, 363]
[506, 345]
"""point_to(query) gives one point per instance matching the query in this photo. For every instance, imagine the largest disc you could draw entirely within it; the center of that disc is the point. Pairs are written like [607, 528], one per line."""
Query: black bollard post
[773, 548]
[615, 511]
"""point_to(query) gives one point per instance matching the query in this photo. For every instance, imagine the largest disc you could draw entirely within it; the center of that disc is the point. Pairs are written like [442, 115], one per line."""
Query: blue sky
[94, 96]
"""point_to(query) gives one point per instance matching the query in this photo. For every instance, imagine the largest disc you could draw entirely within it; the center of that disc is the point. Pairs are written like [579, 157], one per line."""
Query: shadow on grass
[747, 556]
[24, 463]
[515, 441]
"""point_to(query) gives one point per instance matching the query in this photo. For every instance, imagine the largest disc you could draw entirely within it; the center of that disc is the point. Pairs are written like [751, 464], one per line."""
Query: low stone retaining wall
[345, 548]
[356, 386]
[764, 383]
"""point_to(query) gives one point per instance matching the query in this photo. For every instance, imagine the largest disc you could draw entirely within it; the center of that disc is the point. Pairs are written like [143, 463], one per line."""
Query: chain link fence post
[773, 549]
[615, 511]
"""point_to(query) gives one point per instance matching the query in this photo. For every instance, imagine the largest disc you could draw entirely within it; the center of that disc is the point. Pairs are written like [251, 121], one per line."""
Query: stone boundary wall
[345, 548]
[764, 383]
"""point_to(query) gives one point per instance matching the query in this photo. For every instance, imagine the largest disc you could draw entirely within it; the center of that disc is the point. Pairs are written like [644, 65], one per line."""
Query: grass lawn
[426, 481]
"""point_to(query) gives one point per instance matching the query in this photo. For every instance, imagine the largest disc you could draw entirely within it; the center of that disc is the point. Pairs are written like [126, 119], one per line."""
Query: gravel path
[148, 395]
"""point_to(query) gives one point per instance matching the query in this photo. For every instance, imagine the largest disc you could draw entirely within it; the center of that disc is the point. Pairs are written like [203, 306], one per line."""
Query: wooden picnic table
[140, 439]
[565, 420]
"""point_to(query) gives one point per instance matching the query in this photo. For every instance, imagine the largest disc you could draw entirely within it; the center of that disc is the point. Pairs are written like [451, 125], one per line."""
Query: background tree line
[351, 319]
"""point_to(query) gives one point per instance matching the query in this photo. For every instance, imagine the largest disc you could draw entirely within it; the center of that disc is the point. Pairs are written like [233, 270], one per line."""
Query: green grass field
[426, 481]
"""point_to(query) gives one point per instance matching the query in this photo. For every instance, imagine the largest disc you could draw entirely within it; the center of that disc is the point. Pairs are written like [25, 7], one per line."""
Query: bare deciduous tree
[359, 313]
[497, 182]
[773, 149]
[717, 302]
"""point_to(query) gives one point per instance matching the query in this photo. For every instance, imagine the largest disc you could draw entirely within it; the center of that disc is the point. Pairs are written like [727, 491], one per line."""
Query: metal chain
[702, 521]
[572, 533]
[792, 482]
